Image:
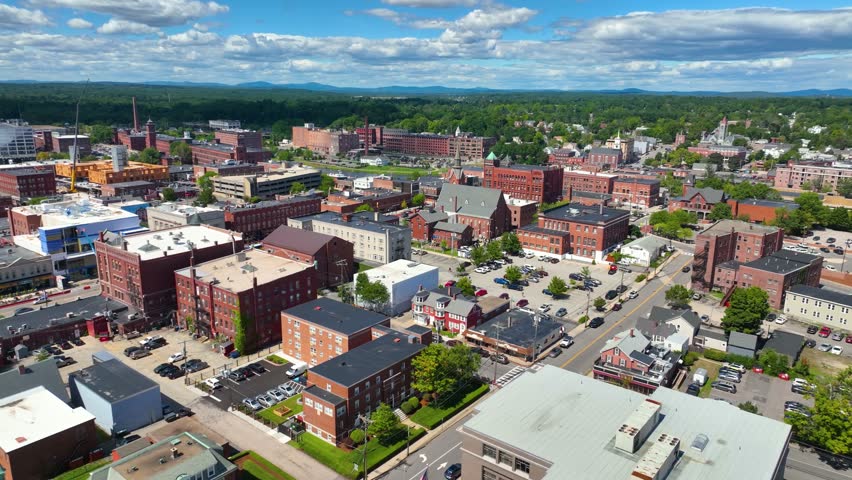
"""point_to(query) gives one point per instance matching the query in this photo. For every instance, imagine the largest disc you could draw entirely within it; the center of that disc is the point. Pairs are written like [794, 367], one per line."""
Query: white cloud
[430, 3]
[193, 37]
[79, 23]
[14, 18]
[155, 13]
[125, 27]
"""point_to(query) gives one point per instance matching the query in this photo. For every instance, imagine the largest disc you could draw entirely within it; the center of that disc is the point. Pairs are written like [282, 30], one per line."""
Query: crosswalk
[509, 376]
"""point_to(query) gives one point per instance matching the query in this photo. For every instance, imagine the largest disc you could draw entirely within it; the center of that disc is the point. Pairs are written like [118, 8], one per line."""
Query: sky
[538, 44]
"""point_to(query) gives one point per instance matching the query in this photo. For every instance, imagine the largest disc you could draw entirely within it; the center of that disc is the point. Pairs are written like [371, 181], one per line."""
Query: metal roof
[452, 227]
[742, 340]
[567, 422]
[466, 200]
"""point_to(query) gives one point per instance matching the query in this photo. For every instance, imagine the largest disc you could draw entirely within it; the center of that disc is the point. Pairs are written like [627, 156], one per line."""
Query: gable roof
[433, 217]
[457, 306]
[743, 340]
[40, 374]
[711, 195]
[304, 241]
[452, 227]
[471, 201]
[667, 315]
[628, 341]
[367, 360]
[785, 343]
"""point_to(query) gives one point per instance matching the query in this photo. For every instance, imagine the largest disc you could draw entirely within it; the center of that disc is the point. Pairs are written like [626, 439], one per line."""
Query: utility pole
[185, 373]
[497, 350]
[588, 303]
[366, 423]
[536, 320]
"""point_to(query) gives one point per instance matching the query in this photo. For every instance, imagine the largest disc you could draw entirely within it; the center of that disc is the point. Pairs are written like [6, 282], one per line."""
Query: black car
[576, 277]
[554, 353]
[175, 373]
[824, 250]
[194, 365]
[611, 294]
[515, 286]
[830, 240]
[167, 372]
[129, 351]
[500, 358]
[812, 329]
[159, 368]
[693, 389]
[480, 351]
[810, 343]
[237, 375]
[66, 345]
[621, 289]
[155, 344]
[256, 368]
[247, 372]
[685, 269]
[453, 472]
[838, 251]
[596, 322]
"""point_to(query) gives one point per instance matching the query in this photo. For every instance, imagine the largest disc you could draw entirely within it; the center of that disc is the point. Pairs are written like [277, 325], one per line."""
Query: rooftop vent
[638, 426]
[658, 460]
[700, 442]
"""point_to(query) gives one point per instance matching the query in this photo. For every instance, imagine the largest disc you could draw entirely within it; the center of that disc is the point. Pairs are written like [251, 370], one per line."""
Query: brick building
[132, 140]
[564, 157]
[251, 286]
[604, 158]
[326, 142]
[251, 139]
[138, 188]
[731, 240]
[320, 330]
[774, 274]
[332, 257]
[257, 220]
[585, 181]
[106, 172]
[576, 231]
[42, 436]
[706, 149]
[411, 187]
[634, 192]
[62, 143]
[542, 184]
[454, 235]
[356, 383]
[267, 185]
[423, 223]
[214, 153]
[445, 310]
[138, 269]
[759, 211]
[698, 200]
[483, 209]
[521, 211]
[25, 183]
[382, 200]
[795, 175]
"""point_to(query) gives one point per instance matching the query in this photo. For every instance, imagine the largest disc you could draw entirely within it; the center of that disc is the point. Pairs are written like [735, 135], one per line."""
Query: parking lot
[233, 392]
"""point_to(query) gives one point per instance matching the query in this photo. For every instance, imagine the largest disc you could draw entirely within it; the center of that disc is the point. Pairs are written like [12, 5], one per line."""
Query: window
[489, 451]
[621, 362]
[211, 470]
[505, 458]
[522, 465]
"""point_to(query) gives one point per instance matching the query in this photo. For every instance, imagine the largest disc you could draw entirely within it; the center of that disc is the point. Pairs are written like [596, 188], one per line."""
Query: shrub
[690, 358]
[357, 436]
[406, 408]
[276, 359]
[427, 397]
[414, 403]
[640, 277]
[583, 319]
[712, 354]
[747, 362]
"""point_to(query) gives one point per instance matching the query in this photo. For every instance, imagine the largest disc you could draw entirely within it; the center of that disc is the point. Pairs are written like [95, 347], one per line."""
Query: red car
[450, 283]
[757, 369]
[522, 303]
[616, 307]
[824, 332]
[481, 292]
[848, 338]
[504, 296]
[612, 269]
[784, 376]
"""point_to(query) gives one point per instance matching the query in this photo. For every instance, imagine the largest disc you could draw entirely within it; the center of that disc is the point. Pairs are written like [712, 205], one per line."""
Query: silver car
[265, 400]
[824, 347]
[252, 404]
[287, 389]
[276, 394]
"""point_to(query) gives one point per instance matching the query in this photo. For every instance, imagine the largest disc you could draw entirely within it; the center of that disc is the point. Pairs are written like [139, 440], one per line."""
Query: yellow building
[103, 173]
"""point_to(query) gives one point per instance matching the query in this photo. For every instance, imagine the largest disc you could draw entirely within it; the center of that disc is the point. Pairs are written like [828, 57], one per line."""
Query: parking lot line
[608, 330]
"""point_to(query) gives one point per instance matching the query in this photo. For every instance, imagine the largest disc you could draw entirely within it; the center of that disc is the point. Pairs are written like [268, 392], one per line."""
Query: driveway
[765, 392]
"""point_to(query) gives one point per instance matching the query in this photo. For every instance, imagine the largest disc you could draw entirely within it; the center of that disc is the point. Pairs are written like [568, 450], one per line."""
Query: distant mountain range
[397, 90]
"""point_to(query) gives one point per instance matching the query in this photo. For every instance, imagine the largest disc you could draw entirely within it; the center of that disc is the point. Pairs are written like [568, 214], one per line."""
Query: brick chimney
[347, 217]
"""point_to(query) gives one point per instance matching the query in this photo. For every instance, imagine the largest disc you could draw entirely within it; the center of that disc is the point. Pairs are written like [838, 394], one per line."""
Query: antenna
[73, 187]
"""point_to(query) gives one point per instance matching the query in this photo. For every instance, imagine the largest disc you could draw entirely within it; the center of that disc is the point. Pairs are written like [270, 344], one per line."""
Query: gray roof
[367, 360]
[452, 227]
[783, 261]
[769, 203]
[134, 183]
[666, 315]
[822, 294]
[648, 243]
[641, 357]
[596, 195]
[577, 212]
[643, 181]
[785, 343]
[433, 217]
[605, 151]
[627, 341]
[112, 380]
[359, 221]
[296, 239]
[724, 227]
[715, 334]
[57, 314]
[471, 201]
[45, 374]
[324, 395]
[546, 231]
[568, 421]
[336, 316]
[517, 328]
[743, 340]
[711, 195]
[459, 306]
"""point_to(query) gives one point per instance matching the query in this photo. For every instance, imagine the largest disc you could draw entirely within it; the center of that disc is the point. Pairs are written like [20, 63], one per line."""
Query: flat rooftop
[517, 327]
[236, 273]
[589, 174]
[155, 244]
[194, 454]
[516, 202]
[113, 381]
[19, 172]
[399, 270]
[643, 181]
[38, 317]
[9, 254]
[724, 227]
[337, 316]
[74, 212]
[33, 415]
[577, 212]
[182, 210]
[357, 222]
[272, 176]
[783, 262]
[822, 294]
[569, 421]
[368, 359]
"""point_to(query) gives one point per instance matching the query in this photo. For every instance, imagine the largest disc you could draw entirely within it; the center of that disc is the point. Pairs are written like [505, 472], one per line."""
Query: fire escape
[699, 267]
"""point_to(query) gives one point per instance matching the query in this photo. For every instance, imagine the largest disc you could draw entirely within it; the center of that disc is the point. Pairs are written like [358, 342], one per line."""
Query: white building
[375, 240]
[379, 161]
[819, 306]
[403, 278]
[363, 183]
[170, 215]
[224, 124]
[642, 251]
[17, 142]
[816, 129]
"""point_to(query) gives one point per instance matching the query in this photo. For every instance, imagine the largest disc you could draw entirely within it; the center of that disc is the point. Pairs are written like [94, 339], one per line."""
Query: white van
[297, 369]
[213, 383]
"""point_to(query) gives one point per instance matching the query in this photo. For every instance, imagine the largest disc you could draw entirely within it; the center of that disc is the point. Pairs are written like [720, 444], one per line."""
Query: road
[443, 451]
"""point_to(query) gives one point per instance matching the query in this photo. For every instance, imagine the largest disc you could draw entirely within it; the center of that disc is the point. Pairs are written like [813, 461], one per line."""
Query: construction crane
[73, 188]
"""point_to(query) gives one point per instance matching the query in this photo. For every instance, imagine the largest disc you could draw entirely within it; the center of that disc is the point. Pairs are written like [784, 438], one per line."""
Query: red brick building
[729, 240]
[605, 158]
[564, 157]
[576, 231]
[382, 200]
[61, 144]
[775, 274]
[759, 211]
[542, 184]
[251, 286]
[256, 220]
[24, 183]
[522, 212]
[332, 257]
[138, 188]
[445, 310]
[454, 235]
[326, 142]
[251, 139]
[483, 209]
[356, 383]
[132, 140]
[585, 181]
[698, 200]
[138, 269]
[423, 223]
[320, 330]
[631, 358]
[634, 192]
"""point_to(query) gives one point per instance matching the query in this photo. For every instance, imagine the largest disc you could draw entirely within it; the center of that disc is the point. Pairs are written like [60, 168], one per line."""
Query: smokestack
[366, 136]
[135, 117]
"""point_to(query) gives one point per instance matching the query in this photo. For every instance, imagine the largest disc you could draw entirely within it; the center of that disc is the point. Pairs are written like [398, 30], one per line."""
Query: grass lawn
[82, 473]
[362, 267]
[291, 403]
[823, 364]
[387, 170]
[712, 372]
[342, 461]
[254, 467]
[437, 412]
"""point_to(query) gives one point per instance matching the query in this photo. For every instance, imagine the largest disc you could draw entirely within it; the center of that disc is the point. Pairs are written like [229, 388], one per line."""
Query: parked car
[824, 347]
[611, 294]
[696, 296]
[812, 329]
[705, 318]
[734, 366]
[616, 307]
[501, 281]
[811, 343]
[781, 320]
[596, 322]
[562, 312]
[547, 292]
[633, 294]
[237, 375]
[693, 389]
[613, 269]
[252, 404]
[141, 353]
[504, 296]
[481, 292]
[522, 303]
[174, 373]
[287, 390]
[148, 340]
[544, 308]
[257, 368]
[824, 332]
[838, 251]
[129, 350]
[194, 365]
[725, 386]
[175, 357]
[837, 336]
[77, 341]
[500, 358]
[566, 341]
[265, 400]
[453, 472]
[155, 344]
[515, 286]
[576, 277]
[848, 339]
[163, 366]
[554, 352]
[621, 289]
[63, 361]
[213, 383]
[836, 350]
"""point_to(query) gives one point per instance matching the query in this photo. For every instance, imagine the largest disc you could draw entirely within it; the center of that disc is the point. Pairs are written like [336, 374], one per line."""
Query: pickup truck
[133, 334]
[147, 340]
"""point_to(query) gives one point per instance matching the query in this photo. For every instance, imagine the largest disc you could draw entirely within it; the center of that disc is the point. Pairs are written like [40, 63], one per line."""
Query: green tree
[169, 194]
[366, 207]
[830, 425]
[326, 184]
[748, 307]
[375, 295]
[428, 370]
[721, 211]
[838, 219]
[749, 407]
[599, 303]
[510, 243]
[297, 187]
[586, 272]
[244, 340]
[384, 424]
[494, 250]
[345, 293]
[844, 187]
[418, 199]
[100, 134]
[181, 150]
[357, 436]
[478, 255]
[811, 204]
[466, 286]
[461, 363]
[557, 287]
[150, 155]
[773, 362]
[513, 274]
[679, 296]
[403, 205]
[205, 186]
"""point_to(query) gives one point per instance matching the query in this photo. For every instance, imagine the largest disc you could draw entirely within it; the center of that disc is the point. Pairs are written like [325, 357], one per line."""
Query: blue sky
[555, 44]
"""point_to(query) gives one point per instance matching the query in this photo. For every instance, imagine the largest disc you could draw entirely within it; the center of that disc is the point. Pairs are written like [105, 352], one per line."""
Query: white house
[379, 161]
[643, 251]
[403, 279]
